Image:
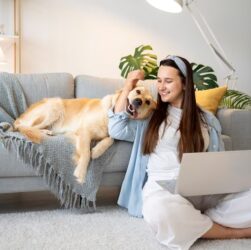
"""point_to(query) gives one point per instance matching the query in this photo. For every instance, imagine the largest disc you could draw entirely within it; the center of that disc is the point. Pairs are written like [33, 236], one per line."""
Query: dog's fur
[83, 120]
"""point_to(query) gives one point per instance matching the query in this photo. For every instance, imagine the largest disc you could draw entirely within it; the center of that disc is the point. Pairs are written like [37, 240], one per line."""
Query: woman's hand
[132, 78]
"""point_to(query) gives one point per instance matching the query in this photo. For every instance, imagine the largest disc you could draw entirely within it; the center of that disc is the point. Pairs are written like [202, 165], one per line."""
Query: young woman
[177, 126]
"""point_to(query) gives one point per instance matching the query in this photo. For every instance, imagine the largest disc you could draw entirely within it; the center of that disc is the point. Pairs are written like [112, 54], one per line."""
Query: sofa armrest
[236, 123]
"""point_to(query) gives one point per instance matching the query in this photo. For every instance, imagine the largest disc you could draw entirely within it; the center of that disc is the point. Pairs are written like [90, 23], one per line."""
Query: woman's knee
[160, 206]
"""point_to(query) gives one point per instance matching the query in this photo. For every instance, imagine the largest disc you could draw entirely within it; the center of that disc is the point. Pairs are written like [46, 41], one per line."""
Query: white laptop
[212, 173]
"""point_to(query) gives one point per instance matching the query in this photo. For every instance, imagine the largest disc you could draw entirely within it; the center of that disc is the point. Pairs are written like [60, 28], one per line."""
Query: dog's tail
[33, 134]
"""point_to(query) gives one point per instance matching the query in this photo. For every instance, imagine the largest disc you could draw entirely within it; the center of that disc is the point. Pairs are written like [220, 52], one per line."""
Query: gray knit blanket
[53, 158]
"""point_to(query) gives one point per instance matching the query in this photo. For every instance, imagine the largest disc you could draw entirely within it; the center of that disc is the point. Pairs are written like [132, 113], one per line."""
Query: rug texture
[110, 228]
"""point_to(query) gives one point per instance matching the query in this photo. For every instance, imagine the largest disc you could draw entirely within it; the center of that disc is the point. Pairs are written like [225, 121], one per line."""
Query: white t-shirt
[163, 163]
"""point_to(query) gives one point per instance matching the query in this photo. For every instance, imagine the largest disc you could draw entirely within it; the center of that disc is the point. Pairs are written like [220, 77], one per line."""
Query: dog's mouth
[131, 110]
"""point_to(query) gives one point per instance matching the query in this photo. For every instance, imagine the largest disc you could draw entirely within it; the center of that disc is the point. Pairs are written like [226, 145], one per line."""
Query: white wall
[90, 36]
[7, 16]
[7, 19]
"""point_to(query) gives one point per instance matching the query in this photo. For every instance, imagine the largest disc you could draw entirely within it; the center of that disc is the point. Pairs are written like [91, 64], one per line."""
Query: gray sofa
[15, 176]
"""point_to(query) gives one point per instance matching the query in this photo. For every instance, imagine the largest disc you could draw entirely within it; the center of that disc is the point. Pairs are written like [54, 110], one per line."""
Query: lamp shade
[173, 6]
[2, 57]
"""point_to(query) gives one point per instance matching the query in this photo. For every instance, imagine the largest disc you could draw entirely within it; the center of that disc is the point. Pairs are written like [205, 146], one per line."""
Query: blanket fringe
[32, 155]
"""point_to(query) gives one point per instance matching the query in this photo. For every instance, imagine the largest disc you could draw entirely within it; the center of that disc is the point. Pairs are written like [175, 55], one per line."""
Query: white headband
[181, 65]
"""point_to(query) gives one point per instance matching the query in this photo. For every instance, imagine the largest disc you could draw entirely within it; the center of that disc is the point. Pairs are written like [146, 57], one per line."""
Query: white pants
[178, 224]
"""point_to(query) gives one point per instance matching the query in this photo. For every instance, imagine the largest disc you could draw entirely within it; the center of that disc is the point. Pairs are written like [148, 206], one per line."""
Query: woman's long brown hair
[191, 139]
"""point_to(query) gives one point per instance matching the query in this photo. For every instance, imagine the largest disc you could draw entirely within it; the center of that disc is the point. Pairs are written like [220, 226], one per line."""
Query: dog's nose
[137, 102]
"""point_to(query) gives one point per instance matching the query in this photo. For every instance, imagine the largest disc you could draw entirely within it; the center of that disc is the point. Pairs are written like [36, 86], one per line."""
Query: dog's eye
[148, 102]
[138, 92]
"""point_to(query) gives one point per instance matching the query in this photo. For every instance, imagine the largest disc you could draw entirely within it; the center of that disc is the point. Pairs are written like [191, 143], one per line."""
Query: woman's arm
[120, 126]
[130, 83]
[215, 139]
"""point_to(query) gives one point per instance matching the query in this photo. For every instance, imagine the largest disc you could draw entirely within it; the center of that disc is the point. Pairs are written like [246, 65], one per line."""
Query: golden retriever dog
[82, 119]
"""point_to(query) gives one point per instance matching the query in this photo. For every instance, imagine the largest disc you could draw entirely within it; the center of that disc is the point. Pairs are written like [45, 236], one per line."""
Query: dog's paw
[79, 176]
[96, 153]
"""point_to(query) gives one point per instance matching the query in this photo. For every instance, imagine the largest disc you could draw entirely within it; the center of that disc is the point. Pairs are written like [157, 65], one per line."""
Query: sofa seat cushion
[24, 184]
[112, 179]
[121, 151]
[10, 166]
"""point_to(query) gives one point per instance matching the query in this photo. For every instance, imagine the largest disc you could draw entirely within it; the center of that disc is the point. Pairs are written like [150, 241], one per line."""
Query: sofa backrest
[96, 87]
[236, 123]
[39, 86]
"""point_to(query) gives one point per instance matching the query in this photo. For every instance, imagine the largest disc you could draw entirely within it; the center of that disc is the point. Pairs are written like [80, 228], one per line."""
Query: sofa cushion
[112, 179]
[24, 184]
[209, 99]
[227, 142]
[121, 151]
[10, 166]
[236, 124]
[96, 87]
[39, 86]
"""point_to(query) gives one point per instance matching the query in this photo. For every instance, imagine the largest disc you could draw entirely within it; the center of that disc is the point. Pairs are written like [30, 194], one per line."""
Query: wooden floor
[35, 201]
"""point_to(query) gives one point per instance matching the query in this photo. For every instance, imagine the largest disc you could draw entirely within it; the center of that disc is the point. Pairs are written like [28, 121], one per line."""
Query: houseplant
[204, 76]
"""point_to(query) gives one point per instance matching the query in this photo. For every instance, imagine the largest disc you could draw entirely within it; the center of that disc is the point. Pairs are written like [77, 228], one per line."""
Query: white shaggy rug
[111, 228]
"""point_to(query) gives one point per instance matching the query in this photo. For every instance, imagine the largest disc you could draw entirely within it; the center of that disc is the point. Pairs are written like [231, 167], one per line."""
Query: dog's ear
[154, 104]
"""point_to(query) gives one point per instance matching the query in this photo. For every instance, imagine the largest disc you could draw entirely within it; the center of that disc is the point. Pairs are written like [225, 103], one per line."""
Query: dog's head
[140, 103]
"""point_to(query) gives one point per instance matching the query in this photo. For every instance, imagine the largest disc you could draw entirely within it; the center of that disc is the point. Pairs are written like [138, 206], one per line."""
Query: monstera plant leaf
[204, 77]
[140, 60]
[236, 100]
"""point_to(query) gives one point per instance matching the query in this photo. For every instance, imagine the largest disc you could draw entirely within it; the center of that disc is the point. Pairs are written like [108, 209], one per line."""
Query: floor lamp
[176, 6]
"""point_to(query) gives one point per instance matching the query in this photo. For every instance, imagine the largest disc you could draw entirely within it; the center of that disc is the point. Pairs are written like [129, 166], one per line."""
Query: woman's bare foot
[220, 232]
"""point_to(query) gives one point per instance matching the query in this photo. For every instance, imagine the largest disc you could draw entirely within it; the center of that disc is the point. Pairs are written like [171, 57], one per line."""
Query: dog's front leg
[82, 156]
[101, 147]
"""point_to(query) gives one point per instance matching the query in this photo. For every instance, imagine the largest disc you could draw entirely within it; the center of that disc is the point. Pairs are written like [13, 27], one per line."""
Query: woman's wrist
[128, 87]
[122, 100]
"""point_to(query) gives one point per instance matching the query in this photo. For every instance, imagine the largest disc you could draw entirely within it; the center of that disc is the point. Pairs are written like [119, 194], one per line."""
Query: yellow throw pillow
[210, 99]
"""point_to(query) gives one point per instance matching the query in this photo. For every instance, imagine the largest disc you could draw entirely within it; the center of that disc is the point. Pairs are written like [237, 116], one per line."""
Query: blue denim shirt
[122, 128]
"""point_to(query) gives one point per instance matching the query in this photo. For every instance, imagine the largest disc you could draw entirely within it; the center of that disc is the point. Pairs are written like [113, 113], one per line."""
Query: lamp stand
[216, 50]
